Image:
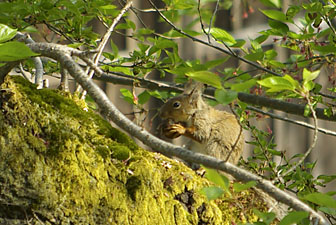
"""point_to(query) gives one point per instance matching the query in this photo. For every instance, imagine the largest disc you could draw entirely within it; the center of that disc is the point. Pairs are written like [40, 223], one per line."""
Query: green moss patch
[63, 165]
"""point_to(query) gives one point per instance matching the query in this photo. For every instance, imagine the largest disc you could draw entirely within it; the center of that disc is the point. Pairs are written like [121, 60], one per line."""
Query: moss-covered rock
[63, 164]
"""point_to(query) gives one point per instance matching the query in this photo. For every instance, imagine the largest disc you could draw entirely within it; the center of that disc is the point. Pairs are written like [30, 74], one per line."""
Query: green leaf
[206, 77]
[321, 199]
[124, 70]
[217, 178]
[115, 49]
[127, 95]
[308, 76]
[328, 211]
[292, 11]
[244, 86]
[276, 84]
[279, 26]
[164, 43]
[294, 217]
[143, 97]
[295, 83]
[327, 178]
[216, 62]
[185, 4]
[276, 64]
[238, 187]
[127, 25]
[159, 94]
[109, 9]
[270, 54]
[272, 3]
[225, 97]
[275, 15]
[255, 56]
[13, 51]
[222, 35]
[261, 38]
[308, 85]
[306, 110]
[6, 33]
[212, 193]
[267, 217]
[239, 43]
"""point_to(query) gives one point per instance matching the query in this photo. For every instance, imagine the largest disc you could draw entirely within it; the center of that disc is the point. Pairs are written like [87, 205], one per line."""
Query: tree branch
[62, 55]
[106, 37]
[283, 106]
[37, 60]
[297, 122]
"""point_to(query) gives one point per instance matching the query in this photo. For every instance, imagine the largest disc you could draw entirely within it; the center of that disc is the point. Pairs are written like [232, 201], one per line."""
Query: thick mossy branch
[60, 165]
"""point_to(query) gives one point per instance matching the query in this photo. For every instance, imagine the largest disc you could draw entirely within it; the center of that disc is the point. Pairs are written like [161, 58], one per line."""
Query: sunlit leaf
[308, 76]
[222, 35]
[276, 84]
[241, 187]
[267, 217]
[275, 15]
[243, 86]
[255, 56]
[13, 51]
[217, 178]
[272, 3]
[206, 77]
[225, 97]
[6, 33]
[127, 95]
[321, 199]
[212, 193]
[143, 97]
[294, 217]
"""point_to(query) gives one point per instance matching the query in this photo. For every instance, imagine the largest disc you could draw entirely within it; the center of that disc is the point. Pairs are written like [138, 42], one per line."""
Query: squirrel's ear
[194, 92]
[193, 87]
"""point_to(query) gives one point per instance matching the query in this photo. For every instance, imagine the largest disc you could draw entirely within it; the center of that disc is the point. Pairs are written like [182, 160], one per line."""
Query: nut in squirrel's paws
[172, 130]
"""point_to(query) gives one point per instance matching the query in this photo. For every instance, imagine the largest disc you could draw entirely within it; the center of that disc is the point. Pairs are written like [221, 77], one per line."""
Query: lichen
[61, 164]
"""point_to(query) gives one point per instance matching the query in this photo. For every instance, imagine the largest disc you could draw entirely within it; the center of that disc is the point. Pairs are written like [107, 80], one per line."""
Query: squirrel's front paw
[173, 130]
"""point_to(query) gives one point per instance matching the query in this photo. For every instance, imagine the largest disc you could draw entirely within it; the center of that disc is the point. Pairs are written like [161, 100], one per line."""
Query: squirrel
[211, 132]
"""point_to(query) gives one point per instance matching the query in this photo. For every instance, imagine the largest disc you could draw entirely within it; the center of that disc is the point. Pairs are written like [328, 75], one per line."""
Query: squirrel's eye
[176, 105]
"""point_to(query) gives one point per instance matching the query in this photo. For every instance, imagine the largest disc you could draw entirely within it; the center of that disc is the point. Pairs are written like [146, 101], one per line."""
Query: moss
[69, 166]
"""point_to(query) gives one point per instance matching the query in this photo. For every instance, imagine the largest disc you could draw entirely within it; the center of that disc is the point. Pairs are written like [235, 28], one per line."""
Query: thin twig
[39, 71]
[106, 37]
[64, 84]
[212, 16]
[296, 122]
[24, 73]
[312, 146]
[239, 135]
[149, 10]
[201, 21]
